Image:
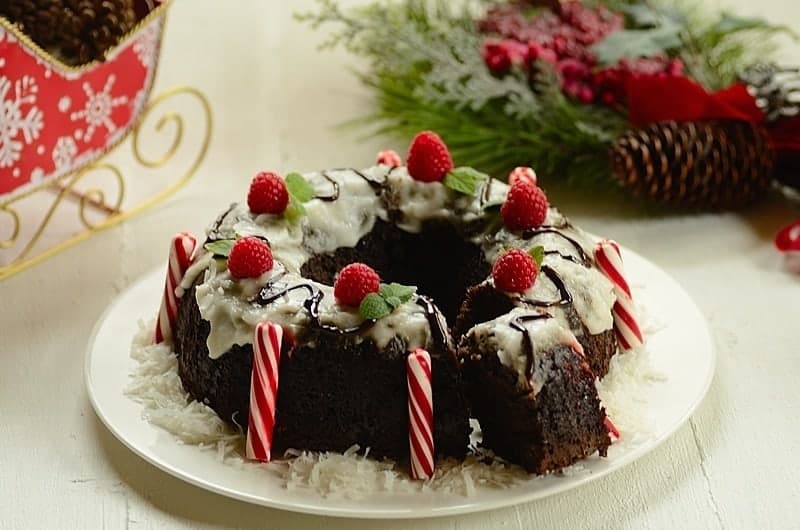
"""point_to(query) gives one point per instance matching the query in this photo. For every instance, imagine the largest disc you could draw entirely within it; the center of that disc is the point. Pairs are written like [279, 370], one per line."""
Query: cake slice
[532, 391]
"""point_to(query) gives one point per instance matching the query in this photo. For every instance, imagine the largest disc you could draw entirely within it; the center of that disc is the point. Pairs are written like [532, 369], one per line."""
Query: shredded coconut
[156, 385]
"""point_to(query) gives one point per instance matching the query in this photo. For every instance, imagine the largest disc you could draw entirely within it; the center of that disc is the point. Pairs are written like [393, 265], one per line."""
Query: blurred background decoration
[75, 98]
[672, 103]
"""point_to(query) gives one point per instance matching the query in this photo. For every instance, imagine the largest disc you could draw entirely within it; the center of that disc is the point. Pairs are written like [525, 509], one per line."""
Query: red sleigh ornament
[59, 125]
[55, 119]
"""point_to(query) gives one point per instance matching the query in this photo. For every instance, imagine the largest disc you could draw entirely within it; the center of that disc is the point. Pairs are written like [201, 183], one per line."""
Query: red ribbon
[653, 98]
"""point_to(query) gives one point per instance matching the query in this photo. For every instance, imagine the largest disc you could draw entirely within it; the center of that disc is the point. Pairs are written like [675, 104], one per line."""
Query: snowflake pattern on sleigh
[55, 119]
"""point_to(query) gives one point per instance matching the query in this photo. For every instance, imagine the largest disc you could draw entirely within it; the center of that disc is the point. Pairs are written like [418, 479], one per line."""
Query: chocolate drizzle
[486, 194]
[568, 257]
[551, 229]
[376, 185]
[311, 305]
[565, 295]
[333, 196]
[518, 324]
[275, 289]
[438, 332]
[213, 232]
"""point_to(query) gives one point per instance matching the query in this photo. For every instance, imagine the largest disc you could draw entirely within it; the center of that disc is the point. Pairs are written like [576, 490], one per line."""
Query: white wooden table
[276, 100]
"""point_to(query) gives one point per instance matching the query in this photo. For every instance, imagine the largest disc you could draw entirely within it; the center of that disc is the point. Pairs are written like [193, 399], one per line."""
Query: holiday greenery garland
[536, 82]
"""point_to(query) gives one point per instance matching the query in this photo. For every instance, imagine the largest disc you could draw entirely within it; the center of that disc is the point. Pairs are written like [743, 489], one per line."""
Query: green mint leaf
[299, 187]
[537, 253]
[464, 180]
[221, 247]
[632, 43]
[373, 307]
[393, 301]
[396, 290]
[294, 211]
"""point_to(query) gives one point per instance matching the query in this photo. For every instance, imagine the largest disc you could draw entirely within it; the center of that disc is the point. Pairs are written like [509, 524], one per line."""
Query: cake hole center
[439, 261]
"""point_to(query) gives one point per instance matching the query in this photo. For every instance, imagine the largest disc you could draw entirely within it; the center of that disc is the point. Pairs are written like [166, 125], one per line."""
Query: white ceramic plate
[680, 350]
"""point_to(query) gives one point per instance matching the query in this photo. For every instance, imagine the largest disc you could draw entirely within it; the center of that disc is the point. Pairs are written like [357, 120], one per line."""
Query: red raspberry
[268, 194]
[428, 159]
[515, 271]
[387, 157]
[355, 281]
[524, 173]
[250, 257]
[525, 206]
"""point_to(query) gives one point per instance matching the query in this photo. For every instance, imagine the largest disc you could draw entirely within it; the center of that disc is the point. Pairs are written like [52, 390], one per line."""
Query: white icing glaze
[592, 293]
[418, 201]
[200, 264]
[499, 335]
[422, 201]
[230, 308]
[329, 225]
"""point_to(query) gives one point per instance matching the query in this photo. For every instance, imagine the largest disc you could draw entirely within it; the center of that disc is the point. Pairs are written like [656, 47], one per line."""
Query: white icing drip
[329, 225]
[200, 264]
[499, 335]
[592, 293]
[408, 321]
[422, 201]
[231, 308]
[418, 201]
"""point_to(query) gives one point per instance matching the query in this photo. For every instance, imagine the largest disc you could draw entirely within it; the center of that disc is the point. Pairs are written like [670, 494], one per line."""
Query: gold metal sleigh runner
[168, 136]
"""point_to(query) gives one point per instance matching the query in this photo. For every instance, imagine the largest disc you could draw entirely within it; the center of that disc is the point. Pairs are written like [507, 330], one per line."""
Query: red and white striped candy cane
[263, 391]
[389, 158]
[613, 432]
[609, 260]
[180, 258]
[525, 174]
[420, 413]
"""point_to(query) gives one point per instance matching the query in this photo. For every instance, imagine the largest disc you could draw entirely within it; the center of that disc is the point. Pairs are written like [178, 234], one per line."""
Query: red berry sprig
[250, 257]
[268, 194]
[563, 38]
[428, 158]
[354, 283]
[525, 206]
[515, 271]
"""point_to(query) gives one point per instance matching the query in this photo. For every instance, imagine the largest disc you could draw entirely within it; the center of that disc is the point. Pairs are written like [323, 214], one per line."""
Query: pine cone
[695, 165]
[38, 19]
[90, 27]
[78, 31]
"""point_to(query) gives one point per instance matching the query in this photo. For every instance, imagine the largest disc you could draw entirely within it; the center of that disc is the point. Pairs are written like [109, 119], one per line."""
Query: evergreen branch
[566, 142]
[426, 71]
[433, 77]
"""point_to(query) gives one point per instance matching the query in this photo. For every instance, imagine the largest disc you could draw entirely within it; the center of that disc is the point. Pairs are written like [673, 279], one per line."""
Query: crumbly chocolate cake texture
[523, 364]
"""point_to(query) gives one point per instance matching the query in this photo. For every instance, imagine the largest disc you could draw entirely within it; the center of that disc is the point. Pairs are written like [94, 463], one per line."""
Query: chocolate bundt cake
[522, 362]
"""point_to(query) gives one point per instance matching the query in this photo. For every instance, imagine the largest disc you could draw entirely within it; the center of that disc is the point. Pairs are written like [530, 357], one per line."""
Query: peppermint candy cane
[609, 260]
[263, 391]
[420, 413]
[180, 258]
[389, 158]
[524, 174]
[613, 432]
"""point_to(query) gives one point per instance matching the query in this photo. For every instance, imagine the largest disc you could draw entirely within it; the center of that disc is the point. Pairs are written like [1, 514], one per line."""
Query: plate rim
[409, 513]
